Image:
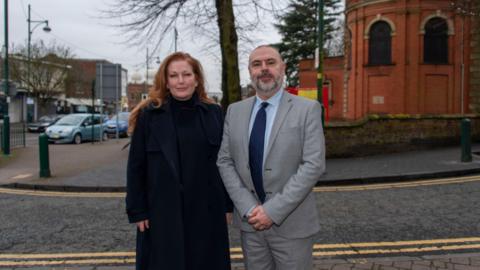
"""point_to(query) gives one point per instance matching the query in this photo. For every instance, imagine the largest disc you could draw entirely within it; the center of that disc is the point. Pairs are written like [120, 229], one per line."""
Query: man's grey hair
[265, 46]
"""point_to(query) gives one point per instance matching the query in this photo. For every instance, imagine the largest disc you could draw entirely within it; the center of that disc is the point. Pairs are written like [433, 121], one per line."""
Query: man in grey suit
[272, 154]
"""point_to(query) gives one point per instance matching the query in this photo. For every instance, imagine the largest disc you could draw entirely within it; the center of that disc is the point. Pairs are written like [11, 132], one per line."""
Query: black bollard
[466, 141]
[44, 157]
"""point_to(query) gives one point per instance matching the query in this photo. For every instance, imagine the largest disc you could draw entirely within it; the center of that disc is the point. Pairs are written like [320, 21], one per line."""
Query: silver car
[76, 128]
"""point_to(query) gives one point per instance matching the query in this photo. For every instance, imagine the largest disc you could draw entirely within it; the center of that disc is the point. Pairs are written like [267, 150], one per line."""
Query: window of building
[435, 49]
[380, 44]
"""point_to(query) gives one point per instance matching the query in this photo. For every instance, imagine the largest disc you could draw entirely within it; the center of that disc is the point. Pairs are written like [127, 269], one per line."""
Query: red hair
[159, 92]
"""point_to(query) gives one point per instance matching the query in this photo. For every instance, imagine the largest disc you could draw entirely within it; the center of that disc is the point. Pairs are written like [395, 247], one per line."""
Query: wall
[134, 94]
[333, 74]
[395, 133]
[79, 84]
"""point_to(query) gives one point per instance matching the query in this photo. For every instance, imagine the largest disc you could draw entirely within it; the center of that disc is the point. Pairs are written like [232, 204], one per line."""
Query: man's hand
[143, 225]
[259, 219]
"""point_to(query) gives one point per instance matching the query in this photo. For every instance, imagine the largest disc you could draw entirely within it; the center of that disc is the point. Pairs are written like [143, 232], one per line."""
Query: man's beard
[266, 88]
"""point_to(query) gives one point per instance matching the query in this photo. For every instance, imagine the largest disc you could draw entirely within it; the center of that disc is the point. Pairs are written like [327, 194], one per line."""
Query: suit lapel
[284, 107]
[245, 115]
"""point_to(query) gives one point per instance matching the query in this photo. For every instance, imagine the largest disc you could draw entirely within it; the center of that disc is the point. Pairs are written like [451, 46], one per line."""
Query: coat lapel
[164, 135]
[284, 107]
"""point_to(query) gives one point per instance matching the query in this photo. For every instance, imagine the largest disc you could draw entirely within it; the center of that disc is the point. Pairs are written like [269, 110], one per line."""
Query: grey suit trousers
[267, 250]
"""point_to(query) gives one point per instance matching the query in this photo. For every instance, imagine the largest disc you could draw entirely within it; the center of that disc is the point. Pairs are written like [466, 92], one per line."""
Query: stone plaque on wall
[378, 100]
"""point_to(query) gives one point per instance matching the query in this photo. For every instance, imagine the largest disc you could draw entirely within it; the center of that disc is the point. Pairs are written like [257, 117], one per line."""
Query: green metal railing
[17, 135]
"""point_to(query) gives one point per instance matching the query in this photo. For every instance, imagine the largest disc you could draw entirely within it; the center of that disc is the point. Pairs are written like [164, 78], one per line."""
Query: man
[271, 156]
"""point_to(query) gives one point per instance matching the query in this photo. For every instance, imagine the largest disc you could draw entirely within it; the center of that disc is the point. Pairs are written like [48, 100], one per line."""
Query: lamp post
[175, 34]
[6, 120]
[147, 61]
[320, 29]
[46, 28]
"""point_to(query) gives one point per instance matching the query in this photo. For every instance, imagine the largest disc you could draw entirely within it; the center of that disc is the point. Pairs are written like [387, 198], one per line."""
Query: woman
[174, 191]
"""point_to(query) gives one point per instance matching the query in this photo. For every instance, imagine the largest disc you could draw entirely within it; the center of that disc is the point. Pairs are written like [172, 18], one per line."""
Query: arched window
[435, 48]
[380, 44]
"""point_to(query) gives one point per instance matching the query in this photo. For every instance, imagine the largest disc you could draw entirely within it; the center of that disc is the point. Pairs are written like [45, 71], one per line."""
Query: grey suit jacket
[294, 161]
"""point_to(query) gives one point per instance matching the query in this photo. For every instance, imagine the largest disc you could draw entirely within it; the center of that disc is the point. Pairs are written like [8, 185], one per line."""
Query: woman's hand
[143, 225]
[229, 217]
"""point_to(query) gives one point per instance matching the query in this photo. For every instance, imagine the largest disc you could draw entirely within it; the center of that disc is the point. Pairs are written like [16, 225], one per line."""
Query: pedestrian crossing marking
[21, 176]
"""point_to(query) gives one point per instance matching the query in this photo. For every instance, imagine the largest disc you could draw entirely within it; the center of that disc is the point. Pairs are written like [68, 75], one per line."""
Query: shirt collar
[272, 101]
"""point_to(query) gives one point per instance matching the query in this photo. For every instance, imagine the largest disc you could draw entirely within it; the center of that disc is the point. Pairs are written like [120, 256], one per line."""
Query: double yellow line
[408, 184]
[320, 250]
[99, 258]
[417, 246]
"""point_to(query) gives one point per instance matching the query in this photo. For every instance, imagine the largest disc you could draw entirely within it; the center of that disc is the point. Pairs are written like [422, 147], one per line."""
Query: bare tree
[45, 74]
[335, 45]
[149, 21]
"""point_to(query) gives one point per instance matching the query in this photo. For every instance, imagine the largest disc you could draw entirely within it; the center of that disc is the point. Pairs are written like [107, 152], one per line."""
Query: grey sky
[77, 25]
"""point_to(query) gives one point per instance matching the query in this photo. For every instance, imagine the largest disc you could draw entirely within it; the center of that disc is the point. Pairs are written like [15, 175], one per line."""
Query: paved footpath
[101, 167]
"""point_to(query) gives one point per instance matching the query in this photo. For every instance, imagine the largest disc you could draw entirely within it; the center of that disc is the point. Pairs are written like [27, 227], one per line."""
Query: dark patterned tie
[255, 150]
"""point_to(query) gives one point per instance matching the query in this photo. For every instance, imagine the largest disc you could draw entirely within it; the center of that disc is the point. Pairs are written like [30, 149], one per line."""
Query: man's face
[266, 71]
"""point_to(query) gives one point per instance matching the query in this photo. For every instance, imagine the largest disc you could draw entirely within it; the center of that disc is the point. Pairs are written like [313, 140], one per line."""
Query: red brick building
[401, 57]
[80, 83]
[135, 94]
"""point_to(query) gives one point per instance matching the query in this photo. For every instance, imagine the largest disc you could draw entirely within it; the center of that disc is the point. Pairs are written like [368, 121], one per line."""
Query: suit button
[253, 191]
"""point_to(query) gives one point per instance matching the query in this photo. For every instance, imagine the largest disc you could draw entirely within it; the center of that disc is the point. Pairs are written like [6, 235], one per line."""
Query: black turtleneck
[191, 140]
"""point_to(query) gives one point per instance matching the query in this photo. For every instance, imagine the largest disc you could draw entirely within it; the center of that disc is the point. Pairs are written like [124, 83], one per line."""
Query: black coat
[155, 192]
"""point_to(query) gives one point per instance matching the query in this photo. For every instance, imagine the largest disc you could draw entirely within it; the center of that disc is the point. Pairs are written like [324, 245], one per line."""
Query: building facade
[94, 81]
[404, 57]
[136, 92]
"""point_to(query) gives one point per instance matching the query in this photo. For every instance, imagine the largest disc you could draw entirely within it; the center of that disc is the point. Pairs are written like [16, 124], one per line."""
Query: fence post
[44, 157]
[23, 134]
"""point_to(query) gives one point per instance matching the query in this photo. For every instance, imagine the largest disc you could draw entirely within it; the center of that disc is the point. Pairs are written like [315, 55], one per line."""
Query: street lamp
[148, 58]
[46, 28]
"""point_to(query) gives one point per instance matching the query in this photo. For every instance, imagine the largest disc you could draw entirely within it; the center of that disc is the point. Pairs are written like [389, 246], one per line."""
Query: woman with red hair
[174, 191]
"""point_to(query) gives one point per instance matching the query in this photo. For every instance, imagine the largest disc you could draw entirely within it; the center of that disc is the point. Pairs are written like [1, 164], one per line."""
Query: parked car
[76, 128]
[122, 120]
[43, 123]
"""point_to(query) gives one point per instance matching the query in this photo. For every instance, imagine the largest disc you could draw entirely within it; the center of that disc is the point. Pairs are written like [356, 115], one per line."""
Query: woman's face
[181, 80]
